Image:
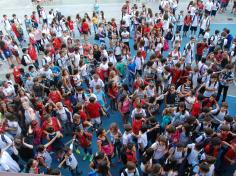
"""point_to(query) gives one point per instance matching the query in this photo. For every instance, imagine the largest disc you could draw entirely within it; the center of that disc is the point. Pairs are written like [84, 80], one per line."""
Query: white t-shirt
[125, 36]
[94, 83]
[205, 22]
[7, 25]
[76, 60]
[142, 140]
[208, 93]
[126, 138]
[193, 157]
[159, 150]
[62, 114]
[139, 62]
[72, 162]
[127, 20]
[135, 111]
[104, 66]
[209, 5]
[9, 91]
[8, 164]
[14, 124]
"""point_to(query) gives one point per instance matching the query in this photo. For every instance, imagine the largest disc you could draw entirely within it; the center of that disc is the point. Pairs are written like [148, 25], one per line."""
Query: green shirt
[120, 67]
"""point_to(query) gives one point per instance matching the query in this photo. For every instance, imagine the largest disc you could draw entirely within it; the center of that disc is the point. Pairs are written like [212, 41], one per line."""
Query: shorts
[201, 31]
[193, 28]
[85, 32]
[96, 120]
[186, 28]
[213, 12]
[223, 5]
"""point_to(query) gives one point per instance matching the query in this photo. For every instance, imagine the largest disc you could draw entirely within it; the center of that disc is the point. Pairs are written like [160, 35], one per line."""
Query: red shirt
[187, 20]
[32, 53]
[83, 115]
[136, 126]
[67, 104]
[212, 151]
[93, 110]
[16, 74]
[208, 103]
[70, 25]
[113, 91]
[14, 29]
[55, 96]
[54, 124]
[84, 139]
[85, 27]
[175, 74]
[56, 43]
[200, 48]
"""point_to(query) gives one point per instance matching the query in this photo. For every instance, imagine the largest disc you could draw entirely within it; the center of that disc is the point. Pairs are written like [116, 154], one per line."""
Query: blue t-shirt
[132, 67]
[56, 70]
[100, 97]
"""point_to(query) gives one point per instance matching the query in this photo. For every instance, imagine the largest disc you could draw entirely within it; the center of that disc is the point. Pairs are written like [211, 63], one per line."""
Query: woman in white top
[211, 87]
[7, 163]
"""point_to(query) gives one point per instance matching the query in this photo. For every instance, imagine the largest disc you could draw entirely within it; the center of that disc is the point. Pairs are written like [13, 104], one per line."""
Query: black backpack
[126, 174]
[23, 60]
[220, 42]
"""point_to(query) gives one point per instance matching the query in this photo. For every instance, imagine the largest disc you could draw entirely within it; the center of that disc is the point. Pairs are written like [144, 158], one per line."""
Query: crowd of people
[71, 75]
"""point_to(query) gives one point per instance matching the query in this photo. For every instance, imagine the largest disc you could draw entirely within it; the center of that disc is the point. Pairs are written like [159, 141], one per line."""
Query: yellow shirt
[95, 20]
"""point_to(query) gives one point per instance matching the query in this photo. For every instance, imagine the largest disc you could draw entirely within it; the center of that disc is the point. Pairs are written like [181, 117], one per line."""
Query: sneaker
[78, 152]
[91, 158]
[85, 157]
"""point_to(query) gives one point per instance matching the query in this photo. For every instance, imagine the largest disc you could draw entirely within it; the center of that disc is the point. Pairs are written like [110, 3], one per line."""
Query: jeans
[225, 90]
[74, 172]
[179, 28]
[88, 150]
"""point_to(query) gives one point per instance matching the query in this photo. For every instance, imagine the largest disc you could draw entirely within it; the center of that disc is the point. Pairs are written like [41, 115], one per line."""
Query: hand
[232, 162]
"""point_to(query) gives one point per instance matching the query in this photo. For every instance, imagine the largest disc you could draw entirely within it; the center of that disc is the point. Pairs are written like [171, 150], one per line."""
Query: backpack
[23, 62]
[169, 35]
[220, 42]
[126, 174]
[211, 39]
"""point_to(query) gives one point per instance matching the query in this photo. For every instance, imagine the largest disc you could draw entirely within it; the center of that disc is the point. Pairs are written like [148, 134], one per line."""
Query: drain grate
[230, 19]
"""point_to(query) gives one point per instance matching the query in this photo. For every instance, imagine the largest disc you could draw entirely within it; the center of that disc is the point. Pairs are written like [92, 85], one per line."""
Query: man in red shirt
[200, 48]
[33, 55]
[175, 72]
[93, 110]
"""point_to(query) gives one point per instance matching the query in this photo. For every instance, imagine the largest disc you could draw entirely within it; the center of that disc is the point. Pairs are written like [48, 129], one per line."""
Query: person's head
[92, 99]
[59, 105]
[216, 142]
[203, 168]
[76, 118]
[224, 129]
[114, 128]
[32, 163]
[131, 167]
[224, 107]
[181, 107]
[180, 146]
[156, 169]
[101, 132]
[209, 131]
[127, 128]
